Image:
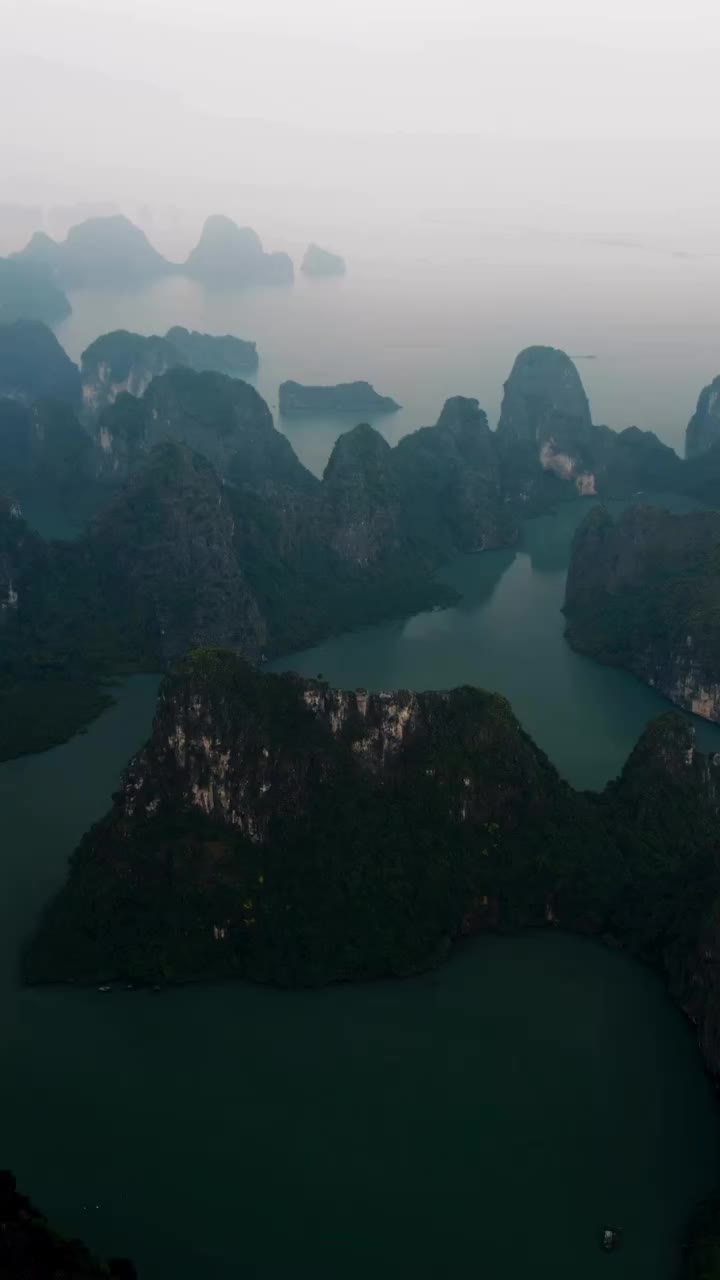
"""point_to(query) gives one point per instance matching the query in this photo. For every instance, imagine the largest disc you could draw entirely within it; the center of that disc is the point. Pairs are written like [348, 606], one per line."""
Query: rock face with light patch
[643, 592]
[123, 362]
[222, 418]
[243, 747]
[275, 827]
[47, 460]
[550, 449]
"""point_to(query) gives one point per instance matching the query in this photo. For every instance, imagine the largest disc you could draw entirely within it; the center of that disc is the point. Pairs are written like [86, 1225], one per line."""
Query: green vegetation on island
[643, 593]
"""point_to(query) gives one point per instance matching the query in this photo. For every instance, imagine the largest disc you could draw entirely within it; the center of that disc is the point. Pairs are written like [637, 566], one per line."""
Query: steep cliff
[31, 1250]
[320, 262]
[53, 625]
[643, 593]
[123, 362]
[664, 809]
[451, 481]
[362, 502]
[550, 450]
[227, 254]
[217, 354]
[294, 833]
[346, 397]
[703, 429]
[34, 365]
[543, 381]
[223, 418]
[29, 291]
[157, 572]
[168, 544]
[545, 425]
[47, 460]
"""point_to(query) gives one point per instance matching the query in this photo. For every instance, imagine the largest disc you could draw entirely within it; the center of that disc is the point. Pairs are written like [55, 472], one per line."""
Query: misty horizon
[312, 120]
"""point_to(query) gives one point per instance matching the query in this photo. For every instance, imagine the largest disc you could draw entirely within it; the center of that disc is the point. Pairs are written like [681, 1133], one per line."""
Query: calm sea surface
[488, 1118]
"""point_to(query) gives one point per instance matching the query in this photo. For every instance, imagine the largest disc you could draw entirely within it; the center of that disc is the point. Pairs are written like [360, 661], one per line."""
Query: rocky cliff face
[169, 540]
[227, 254]
[47, 461]
[545, 412]
[543, 381]
[643, 593]
[550, 450]
[33, 365]
[222, 418]
[703, 429]
[630, 462]
[665, 806]
[12, 531]
[346, 397]
[238, 838]
[121, 362]
[450, 477]
[361, 499]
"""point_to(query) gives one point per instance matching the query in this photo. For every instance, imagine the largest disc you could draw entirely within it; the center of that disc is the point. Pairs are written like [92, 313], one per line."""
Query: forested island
[643, 593]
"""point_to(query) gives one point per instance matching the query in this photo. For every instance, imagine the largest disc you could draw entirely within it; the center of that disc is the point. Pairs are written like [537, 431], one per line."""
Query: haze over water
[435, 314]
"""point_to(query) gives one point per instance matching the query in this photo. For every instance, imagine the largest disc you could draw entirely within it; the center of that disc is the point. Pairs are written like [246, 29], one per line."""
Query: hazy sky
[106, 96]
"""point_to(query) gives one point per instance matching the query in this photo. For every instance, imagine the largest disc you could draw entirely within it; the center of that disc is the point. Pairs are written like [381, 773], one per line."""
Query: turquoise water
[507, 635]
[487, 1118]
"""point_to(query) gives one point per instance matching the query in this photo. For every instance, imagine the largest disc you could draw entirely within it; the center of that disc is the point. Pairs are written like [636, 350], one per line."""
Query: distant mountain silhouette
[112, 251]
[229, 254]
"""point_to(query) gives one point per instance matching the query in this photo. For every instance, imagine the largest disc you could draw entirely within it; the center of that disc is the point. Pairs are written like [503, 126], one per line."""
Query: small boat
[610, 1239]
[105, 988]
